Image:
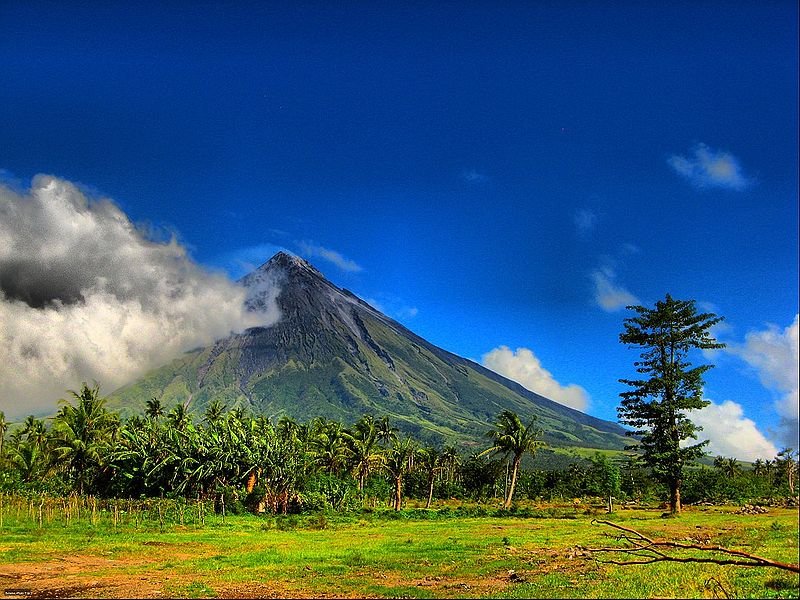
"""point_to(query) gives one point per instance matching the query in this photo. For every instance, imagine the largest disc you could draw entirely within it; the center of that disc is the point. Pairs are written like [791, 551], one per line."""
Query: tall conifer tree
[656, 405]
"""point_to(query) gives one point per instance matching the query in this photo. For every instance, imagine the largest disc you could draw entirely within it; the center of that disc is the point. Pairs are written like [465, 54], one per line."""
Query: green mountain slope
[333, 355]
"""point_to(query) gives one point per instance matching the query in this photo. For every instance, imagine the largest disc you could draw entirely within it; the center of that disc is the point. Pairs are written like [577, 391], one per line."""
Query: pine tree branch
[652, 551]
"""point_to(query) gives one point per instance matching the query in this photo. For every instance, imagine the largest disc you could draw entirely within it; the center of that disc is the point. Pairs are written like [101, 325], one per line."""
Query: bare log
[647, 551]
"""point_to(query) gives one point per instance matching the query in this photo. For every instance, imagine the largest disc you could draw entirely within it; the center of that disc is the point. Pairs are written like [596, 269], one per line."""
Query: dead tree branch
[645, 551]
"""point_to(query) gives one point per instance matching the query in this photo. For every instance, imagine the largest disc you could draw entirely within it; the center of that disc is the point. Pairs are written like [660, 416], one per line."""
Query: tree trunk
[610, 503]
[675, 497]
[514, 470]
[430, 491]
[398, 492]
[251, 481]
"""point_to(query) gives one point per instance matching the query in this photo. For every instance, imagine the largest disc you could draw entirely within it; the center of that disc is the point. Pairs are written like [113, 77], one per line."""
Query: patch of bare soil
[143, 576]
[74, 577]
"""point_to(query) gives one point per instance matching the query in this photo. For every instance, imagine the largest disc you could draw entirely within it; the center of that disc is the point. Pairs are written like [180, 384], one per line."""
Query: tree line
[240, 459]
[244, 461]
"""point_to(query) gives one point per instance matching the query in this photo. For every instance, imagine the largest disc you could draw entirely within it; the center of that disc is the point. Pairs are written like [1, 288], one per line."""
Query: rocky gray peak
[289, 263]
[280, 269]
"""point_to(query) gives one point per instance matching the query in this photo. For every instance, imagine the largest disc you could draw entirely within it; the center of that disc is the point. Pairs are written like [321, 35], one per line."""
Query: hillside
[333, 355]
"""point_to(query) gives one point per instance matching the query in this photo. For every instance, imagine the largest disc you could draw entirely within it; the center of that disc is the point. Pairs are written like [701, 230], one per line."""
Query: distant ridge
[333, 355]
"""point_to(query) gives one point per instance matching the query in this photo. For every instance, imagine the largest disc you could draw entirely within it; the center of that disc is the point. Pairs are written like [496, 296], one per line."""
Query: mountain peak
[288, 263]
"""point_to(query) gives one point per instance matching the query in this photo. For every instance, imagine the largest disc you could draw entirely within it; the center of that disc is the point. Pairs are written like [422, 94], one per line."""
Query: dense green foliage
[244, 462]
[657, 403]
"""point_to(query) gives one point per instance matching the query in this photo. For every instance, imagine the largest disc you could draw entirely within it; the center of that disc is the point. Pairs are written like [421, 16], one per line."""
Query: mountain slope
[333, 355]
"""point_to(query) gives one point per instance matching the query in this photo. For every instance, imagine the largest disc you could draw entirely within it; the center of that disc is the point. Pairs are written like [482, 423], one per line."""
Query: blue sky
[491, 174]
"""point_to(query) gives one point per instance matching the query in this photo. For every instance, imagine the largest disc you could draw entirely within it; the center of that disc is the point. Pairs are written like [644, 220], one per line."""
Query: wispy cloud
[474, 176]
[706, 167]
[773, 353]
[610, 295]
[730, 433]
[311, 250]
[240, 261]
[585, 220]
[393, 306]
[526, 369]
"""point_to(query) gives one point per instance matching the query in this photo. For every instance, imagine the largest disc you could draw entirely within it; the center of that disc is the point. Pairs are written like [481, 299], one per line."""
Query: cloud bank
[710, 168]
[773, 353]
[730, 433]
[526, 369]
[332, 256]
[86, 295]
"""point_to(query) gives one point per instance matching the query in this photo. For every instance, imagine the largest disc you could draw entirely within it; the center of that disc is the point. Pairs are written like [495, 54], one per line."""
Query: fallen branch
[652, 551]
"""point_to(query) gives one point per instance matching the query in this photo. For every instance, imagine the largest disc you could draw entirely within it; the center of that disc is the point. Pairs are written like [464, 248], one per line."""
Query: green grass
[375, 555]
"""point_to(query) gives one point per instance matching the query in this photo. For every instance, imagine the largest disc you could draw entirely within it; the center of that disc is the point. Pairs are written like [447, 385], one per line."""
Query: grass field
[417, 554]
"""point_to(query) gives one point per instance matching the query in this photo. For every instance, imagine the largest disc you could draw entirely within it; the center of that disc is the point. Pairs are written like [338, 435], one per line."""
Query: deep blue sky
[485, 164]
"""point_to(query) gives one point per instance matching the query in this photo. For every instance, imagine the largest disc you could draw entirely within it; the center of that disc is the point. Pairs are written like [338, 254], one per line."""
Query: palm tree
[387, 434]
[365, 455]
[450, 461]
[154, 409]
[729, 466]
[179, 417]
[769, 467]
[28, 460]
[214, 411]
[83, 434]
[287, 428]
[399, 462]
[328, 446]
[3, 429]
[513, 439]
[431, 462]
[34, 430]
[258, 435]
[787, 461]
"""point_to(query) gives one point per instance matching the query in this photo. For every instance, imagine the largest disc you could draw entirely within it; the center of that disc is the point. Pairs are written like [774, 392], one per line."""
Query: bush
[328, 492]
[230, 498]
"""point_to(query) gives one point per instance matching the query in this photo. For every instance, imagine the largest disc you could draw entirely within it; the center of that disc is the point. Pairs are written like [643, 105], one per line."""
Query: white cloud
[773, 353]
[730, 433]
[585, 220]
[526, 369]
[332, 256]
[86, 295]
[608, 294]
[710, 168]
[407, 312]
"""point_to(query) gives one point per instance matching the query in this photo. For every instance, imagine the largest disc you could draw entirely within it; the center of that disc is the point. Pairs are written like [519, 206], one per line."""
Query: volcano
[333, 355]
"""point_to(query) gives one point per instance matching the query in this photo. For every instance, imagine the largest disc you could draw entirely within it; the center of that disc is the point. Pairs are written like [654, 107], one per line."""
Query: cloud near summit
[311, 249]
[84, 294]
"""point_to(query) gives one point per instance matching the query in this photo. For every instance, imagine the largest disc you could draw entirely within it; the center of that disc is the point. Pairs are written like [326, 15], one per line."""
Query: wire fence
[40, 511]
